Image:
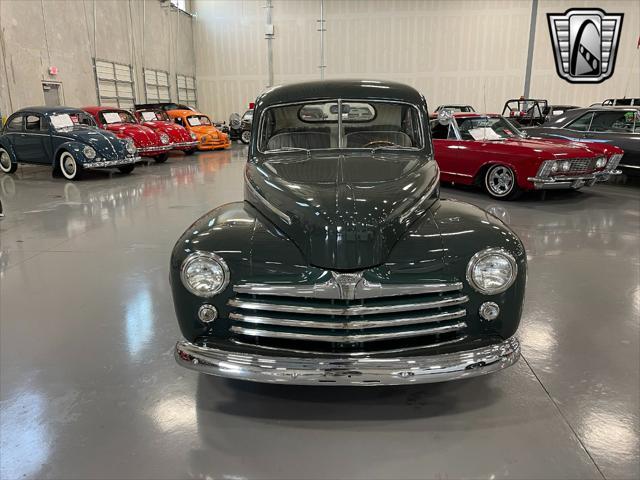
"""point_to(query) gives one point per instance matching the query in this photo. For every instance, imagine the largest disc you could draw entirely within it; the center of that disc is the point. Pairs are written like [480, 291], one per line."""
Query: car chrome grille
[582, 165]
[386, 317]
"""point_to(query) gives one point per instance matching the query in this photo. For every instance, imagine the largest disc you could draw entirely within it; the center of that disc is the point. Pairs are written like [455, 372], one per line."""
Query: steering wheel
[378, 143]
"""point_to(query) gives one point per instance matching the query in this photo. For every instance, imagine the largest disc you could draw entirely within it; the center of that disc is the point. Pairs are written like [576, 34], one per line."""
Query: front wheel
[69, 167]
[161, 158]
[500, 183]
[245, 136]
[6, 165]
[191, 151]
[127, 169]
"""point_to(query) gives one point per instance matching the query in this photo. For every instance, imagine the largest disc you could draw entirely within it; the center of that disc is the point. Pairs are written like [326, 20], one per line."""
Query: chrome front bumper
[163, 148]
[193, 144]
[348, 370]
[112, 163]
[562, 181]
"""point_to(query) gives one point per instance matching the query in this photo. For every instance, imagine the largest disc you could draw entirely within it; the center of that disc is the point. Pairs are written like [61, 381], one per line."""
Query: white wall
[471, 51]
[35, 35]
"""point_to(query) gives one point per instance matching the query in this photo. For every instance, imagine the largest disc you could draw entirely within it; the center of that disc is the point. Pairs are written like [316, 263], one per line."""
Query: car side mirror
[444, 117]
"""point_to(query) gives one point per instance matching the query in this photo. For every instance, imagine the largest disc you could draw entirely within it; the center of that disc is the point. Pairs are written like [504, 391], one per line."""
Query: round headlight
[204, 274]
[164, 138]
[554, 167]
[89, 152]
[131, 147]
[601, 162]
[194, 136]
[492, 271]
[566, 165]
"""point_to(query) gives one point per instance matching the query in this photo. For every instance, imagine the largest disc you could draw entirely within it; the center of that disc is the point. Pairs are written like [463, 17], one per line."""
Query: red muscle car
[147, 141]
[157, 119]
[490, 151]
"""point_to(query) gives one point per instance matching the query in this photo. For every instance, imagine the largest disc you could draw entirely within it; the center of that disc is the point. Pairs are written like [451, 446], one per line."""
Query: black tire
[245, 136]
[126, 169]
[69, 167]
[161, 158]
[190, 151]
[6, 164]
[501, 183]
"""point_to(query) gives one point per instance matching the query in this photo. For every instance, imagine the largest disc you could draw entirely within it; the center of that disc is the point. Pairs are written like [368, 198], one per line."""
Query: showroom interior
[293, 200]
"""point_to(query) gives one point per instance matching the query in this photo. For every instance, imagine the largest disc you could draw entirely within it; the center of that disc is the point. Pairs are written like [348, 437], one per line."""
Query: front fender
[465, 230]
[74, 148]
[8, 146]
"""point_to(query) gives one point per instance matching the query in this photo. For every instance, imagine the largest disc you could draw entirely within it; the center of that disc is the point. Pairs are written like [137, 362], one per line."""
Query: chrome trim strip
[348, 324]
[344, 370]
[166, 147]
[355, 338]
[628, 166]
[330, 289]
[282, 350]
[346, 311]
[457, 174]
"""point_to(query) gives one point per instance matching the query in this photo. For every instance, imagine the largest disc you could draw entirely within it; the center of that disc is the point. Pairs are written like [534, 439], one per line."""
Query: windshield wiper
[392, 147]
[290, 149]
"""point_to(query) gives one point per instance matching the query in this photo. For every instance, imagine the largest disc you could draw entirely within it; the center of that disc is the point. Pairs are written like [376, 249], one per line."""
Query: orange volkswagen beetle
[208, 136]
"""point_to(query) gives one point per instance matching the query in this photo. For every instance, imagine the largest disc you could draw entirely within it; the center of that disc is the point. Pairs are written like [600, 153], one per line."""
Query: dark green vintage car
[343, 265]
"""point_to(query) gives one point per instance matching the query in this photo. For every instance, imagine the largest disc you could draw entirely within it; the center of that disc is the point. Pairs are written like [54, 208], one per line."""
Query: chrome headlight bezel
[89, 152]
[207, 257]
[601, 162]
[164, 138]
[481, 255]
[130, 145]
[193, 136]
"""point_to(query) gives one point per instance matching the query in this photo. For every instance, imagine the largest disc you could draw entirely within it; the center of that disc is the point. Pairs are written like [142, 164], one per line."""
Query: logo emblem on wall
[585, 43]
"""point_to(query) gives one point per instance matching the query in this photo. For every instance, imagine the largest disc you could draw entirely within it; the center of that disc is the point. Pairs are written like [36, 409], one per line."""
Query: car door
[620, 128]
[32, 143]
[454, 156]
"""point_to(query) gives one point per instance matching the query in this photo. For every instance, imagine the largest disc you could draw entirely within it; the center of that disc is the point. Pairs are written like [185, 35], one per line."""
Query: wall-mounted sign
[585, 43]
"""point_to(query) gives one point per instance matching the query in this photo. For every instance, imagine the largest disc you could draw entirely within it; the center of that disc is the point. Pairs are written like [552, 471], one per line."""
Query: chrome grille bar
[329, 289]
[350, 324]
[356, 338]
[346, 311]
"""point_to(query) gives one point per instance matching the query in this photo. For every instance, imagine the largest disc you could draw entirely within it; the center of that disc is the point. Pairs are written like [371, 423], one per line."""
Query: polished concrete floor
[89, 388]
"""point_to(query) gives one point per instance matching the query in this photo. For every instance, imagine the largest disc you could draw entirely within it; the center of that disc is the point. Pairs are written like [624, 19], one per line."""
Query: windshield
[487, 128]
[456, 108]
[318, 125]
[153, 115]
[116, 116]
[248, 115]
[197, 120]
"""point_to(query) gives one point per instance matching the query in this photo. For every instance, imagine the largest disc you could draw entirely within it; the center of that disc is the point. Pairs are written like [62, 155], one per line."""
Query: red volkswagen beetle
[121, 122]
[490, 151]
[158, 120]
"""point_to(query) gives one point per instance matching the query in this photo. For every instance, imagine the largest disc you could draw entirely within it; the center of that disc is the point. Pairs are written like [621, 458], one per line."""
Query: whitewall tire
[69, 166]
[6, 164]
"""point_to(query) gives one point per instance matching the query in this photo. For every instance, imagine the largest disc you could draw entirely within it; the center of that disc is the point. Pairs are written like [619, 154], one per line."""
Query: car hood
[142, 136]
[176, 132]
[343, 211]
[205, 130]
[106, 144]
[542, 148]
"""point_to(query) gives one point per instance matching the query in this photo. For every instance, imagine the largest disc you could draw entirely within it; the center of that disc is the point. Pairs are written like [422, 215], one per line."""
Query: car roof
[186, 113]
[45, 110]
[95, 109]
[332, 89]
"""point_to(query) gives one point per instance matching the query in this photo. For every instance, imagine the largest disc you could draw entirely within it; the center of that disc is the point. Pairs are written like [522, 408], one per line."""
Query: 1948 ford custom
[343, 265]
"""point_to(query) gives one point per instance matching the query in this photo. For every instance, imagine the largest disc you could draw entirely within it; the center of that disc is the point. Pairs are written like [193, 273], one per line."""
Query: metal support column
[532, 39]
[269, 34]
[322, 28]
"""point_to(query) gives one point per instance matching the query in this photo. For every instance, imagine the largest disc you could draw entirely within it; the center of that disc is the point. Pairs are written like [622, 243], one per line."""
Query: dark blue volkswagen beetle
[65, 138]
